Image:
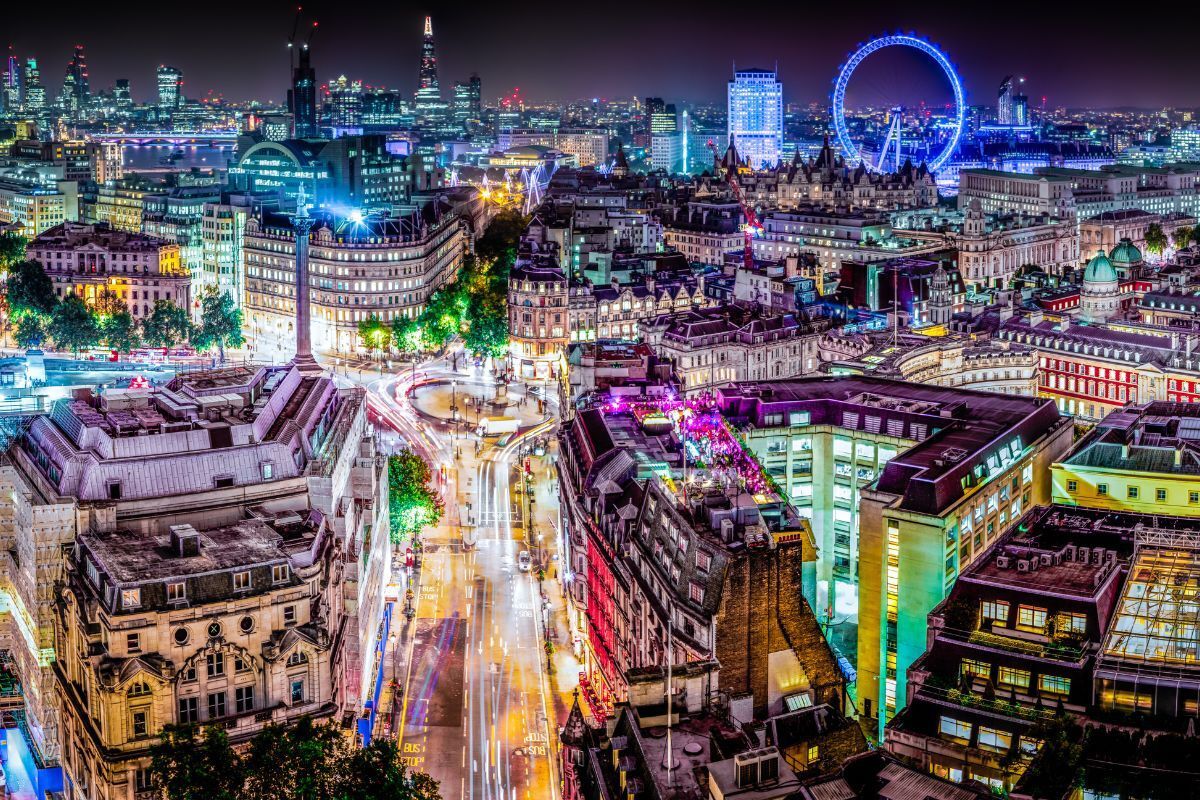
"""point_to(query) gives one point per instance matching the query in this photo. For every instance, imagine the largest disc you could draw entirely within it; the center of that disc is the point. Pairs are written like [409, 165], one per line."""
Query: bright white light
[356, 217]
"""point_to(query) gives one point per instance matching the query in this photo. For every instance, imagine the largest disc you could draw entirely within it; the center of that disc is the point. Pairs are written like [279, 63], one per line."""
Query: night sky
[1073, 54]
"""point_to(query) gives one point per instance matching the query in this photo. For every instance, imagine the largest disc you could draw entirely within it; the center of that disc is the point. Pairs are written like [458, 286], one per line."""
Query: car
[524, 562]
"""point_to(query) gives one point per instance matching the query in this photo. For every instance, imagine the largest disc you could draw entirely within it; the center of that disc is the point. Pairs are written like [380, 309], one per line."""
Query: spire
[429, 26]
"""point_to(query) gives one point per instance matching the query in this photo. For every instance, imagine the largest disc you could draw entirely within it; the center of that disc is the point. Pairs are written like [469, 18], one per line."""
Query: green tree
[487, 334]
[29, 289]
[376, 772]
[412, 503]
[375, 334]
[302, 761]
[1182, 236]
[167, 325]
[220, 323]
[499, 242]
[406, 335]
[120, 331]
[193, 764]
[1156, 240]
[73, 325]
[12, 248]
[107, 304]
[1196, 234]
[31, 331]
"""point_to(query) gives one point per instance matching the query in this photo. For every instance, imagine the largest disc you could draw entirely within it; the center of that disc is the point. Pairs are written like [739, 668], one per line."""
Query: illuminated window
[995, 610]
[995, 740]
[1016, 678]
[814, 753]
[1072, 486]
[131, 598]
[1030, 618]
[1132, 493]
[1072, 623]
[955, 729]
[976, 669]
[1054, 684]
[1160, 495]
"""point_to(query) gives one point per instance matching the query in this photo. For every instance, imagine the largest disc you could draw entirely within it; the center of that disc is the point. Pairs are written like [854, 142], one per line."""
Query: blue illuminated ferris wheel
[890, 151]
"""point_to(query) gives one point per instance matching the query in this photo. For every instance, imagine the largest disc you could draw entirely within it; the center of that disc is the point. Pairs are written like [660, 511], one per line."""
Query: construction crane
[751, 224]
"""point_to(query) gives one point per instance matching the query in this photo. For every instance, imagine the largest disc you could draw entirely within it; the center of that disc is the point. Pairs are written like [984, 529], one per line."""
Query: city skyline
[691, 63]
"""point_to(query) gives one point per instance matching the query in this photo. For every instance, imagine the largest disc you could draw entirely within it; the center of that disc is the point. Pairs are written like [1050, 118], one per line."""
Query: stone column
[303, 224]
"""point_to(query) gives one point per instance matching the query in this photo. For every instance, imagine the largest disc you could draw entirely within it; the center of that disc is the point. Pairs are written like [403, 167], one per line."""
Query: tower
[11, 97]
[940, 305]
[302, 97]
[756, 116]
[303, 224]
[429, 96]
[77, 91]
[35, 94]
[1004, 101]
[170, 88]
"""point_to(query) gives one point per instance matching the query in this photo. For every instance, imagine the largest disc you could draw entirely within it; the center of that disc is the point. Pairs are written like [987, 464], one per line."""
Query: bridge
[174, 138]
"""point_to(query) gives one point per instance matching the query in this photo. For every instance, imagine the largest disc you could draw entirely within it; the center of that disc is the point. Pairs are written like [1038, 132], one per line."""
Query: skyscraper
[468, 102]
[11, 95]
[77, 91]
[35, 93]
[1004, 102]
[121, 94]
[170, 88]
[345, 103]
[428, 96]
[302, 97]
[756, 116]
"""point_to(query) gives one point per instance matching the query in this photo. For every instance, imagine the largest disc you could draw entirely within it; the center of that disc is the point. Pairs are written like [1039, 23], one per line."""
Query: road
[472, 666]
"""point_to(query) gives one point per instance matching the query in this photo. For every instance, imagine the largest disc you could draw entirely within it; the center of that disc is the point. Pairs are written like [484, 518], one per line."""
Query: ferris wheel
[890, 150]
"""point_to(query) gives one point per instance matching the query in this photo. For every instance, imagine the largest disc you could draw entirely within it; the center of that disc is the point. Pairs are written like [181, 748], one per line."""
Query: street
[472, 710]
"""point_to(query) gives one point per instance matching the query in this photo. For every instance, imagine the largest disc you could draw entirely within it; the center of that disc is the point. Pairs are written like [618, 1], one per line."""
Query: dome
[1100, 270]
[1125, 254]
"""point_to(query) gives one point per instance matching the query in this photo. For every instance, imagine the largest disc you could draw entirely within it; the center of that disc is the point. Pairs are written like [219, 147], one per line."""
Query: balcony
[996, 706]
[1050, 650]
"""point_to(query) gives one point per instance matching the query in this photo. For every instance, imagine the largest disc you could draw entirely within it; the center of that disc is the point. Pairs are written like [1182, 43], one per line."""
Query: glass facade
[756, 116]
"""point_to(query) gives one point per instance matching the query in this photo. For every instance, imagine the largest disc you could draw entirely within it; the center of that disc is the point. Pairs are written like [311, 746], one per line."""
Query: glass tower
[756, 116]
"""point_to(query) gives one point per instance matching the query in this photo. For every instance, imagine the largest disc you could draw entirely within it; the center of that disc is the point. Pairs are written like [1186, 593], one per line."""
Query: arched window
[139, 690]
[296, 658]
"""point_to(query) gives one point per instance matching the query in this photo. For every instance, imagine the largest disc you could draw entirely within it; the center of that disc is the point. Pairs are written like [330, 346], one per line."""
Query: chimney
[185, 541]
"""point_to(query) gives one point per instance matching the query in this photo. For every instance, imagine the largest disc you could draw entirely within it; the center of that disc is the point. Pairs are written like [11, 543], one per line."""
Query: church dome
[1100, 270]
[1125, 254]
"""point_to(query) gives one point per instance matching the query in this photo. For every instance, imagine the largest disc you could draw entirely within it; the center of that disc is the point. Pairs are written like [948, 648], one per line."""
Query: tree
[487, 334]
[1196, 234]
[73, 326]
[1182, 236]
[303, 760]
[120, 331]
[499, 242]
[375, 333]
[220, 323]
[412, 504]
[167, 325]
[107, 304]
[377, 773]
[31, 331]
[12, 248]
[406, 335]
[1156, 240]
[29, 289]
[193, 764]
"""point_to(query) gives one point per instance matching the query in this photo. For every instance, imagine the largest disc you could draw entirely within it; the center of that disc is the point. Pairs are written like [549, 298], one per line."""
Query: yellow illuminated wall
[1172, 494]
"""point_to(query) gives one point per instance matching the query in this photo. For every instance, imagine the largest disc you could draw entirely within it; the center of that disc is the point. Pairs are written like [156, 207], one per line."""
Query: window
[1031, 619]
[289, 615]
[1072, 486]
[1132, 493]
[268, 470]
[181, 636]
[216, 664]
[1029, 746]
[216, 705]
[297, 691]
[189, 710]
[141, 724]
[1194, 497]
[1054, 684]
[131, 598]
[244, 699]
[143, 780]
[296, 658]
[189, 674]
[241, 581]
[280, 573]
[176, 591]
[133, 642]
[995, 610]
[1072, 623]
[995, 740]
[139, 690]
[695, 592]
[703, 561]
[976, 669]
[1102, 489]
[1016, 678]
[955, 729]
[1160, 495]
[814, 753]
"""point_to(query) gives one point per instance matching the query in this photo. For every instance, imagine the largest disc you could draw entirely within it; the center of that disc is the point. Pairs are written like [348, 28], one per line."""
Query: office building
[35, 208]
[302, 97]
[467, 107]
[35, 93]
[170, 89]
[122, 97]
[1004, 102]
[77, 91]
[222, 236]
[176, 215]
[428, 98]
[10, 86]
[904, 485]
[345, 104]
[755, 108]
[88, 260]
[398, 262]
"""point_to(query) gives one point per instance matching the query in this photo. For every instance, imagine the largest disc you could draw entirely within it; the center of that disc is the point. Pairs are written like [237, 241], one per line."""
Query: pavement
[478, 703]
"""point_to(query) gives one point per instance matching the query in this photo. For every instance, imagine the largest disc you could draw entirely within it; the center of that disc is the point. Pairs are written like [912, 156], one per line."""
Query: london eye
[901, 135]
